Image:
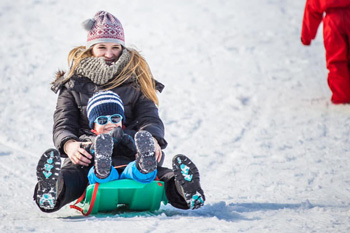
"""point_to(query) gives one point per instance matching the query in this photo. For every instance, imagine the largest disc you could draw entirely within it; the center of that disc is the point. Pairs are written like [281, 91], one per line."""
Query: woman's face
[109, 51]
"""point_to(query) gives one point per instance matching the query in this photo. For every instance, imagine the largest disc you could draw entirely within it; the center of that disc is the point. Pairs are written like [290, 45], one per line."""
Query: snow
[243, 99]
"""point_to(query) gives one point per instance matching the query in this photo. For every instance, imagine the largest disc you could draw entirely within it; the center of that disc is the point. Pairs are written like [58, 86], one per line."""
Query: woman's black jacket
[70, 118]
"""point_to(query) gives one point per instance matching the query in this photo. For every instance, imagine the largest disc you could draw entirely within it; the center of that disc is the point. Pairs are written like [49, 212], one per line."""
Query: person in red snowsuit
[336, 36]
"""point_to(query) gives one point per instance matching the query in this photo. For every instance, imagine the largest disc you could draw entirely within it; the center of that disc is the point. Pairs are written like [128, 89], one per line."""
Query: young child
[105, 112]
[336, 33]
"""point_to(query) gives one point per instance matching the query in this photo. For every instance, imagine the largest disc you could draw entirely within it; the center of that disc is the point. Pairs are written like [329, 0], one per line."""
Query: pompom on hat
[102, 104]
[104, 27]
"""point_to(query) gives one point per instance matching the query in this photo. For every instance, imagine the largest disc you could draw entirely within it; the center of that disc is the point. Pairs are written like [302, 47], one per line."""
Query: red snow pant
[336, 35]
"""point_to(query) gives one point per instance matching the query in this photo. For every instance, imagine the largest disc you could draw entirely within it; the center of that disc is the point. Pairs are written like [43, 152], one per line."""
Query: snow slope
[243, 98]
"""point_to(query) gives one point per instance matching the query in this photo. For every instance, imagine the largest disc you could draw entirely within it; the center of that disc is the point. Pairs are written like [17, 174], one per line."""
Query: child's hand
[77, 154]
[305, 42]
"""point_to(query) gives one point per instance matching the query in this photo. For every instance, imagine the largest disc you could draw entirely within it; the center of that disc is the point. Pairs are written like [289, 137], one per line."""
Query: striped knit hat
[104, 27]
[104, 103]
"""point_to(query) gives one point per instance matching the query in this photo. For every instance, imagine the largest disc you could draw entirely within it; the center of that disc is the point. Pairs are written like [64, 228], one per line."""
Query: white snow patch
[243, 99]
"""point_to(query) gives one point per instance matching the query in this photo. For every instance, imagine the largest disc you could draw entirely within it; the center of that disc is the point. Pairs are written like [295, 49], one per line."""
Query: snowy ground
[244, 99]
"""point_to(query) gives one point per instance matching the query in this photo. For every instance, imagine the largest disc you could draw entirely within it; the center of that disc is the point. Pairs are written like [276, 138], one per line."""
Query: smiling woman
[109, 51]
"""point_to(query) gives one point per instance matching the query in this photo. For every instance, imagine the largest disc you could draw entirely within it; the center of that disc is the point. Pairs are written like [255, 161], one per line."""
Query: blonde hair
[137, 67]
[75, 56]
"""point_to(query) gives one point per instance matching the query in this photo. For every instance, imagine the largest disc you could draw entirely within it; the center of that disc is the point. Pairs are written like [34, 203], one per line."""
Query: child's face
[100, 129]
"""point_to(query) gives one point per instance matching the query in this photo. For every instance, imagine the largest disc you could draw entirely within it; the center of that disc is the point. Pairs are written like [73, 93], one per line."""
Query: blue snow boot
[187, 181]
[146, 160]
[103, 155]
[47, 173]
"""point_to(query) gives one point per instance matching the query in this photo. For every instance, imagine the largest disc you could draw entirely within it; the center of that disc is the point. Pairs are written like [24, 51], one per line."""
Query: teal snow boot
[47, 171]
[187, 181]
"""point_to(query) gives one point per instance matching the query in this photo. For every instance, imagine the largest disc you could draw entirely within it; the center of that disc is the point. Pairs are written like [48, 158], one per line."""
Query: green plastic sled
[132, 194]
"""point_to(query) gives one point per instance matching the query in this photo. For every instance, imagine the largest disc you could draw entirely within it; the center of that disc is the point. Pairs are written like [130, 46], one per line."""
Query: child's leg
[131, 172]
[113, 175]
[337, 46]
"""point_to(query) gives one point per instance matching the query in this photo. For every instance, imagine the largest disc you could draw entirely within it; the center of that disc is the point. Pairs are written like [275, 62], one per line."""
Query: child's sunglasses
[103, 120]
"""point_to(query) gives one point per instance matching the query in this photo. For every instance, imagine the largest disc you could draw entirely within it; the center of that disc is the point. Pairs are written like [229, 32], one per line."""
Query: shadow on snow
[221, 210]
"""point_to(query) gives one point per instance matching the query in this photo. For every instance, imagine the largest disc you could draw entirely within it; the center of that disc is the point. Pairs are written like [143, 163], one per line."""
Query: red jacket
[313, 16]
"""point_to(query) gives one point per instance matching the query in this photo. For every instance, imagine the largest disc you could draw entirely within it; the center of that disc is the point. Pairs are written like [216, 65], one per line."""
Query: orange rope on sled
[74, 206]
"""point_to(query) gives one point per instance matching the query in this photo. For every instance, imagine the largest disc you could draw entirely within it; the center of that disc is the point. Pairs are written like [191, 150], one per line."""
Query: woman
[106, 64]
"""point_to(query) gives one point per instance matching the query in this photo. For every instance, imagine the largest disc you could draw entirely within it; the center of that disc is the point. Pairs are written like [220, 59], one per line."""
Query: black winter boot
[103, 155]
[146, 160]
[47, 172]
[187, 181]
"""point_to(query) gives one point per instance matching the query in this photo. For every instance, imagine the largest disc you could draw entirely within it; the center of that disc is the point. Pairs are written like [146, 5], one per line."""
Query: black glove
[127, 145]
[124, 144]
[87, 146]
[117, 134]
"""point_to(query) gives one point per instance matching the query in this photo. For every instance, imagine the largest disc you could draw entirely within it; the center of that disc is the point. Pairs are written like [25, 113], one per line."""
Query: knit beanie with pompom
[104, 27]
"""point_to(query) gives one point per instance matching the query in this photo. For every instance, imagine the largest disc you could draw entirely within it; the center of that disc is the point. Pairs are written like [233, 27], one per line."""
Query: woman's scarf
[96, 69]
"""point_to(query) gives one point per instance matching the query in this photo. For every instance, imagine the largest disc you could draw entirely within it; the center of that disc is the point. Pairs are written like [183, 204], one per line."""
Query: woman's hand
[77, 154]
[158, 150]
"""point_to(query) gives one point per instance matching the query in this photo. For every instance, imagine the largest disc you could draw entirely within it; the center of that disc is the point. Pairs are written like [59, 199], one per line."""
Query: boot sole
[47, 171]
[103, 155]
[187, 175]
[146, 150]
